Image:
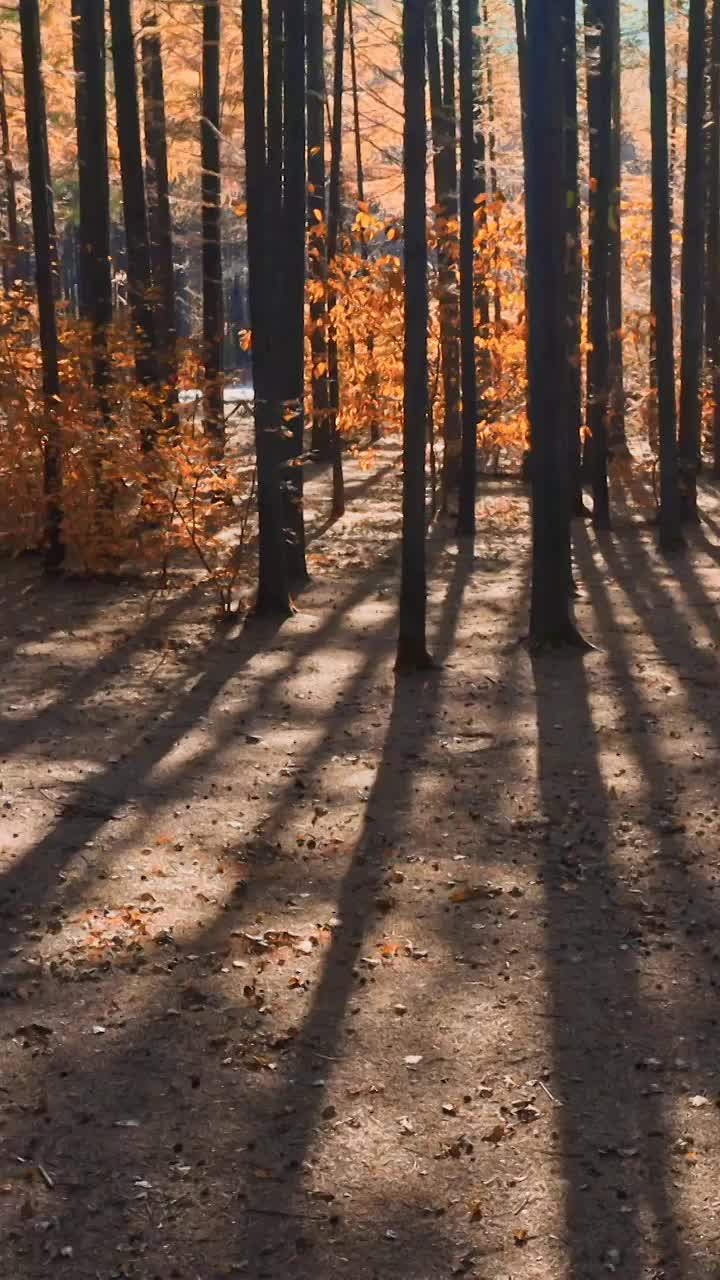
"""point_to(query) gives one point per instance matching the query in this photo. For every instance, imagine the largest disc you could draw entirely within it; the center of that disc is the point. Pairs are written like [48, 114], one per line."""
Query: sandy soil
[309, 973]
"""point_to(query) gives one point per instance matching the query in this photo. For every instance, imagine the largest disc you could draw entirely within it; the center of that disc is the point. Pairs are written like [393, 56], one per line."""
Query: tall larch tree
[598, 52]
[573, 259]
[212, 274]
[551, 624]
[139, 268]
[616, 405]
[43, 220]
[333, 235]
[317, 229]
[412, 653]
[94, 263]
[293, 298]
[12, 264]
[693, 265]
[159, 210]
[661, 268]
[712, 299]
[467, 18]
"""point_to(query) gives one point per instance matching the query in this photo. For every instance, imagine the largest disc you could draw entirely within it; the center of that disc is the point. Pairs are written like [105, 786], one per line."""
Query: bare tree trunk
[371, 380]
[213, 312]
[670, 532]
[12, 263]
[573, 256]
[95, 276]
[273, 592]
[616, 415]
[598, 49]
[693, 267]
[159, 212]
[139, 270]
[334, 197]
[442, 104]
[317, 228]
[45, 272]
[467, 17]
[412, 651]
[293, 299]
[712, 299]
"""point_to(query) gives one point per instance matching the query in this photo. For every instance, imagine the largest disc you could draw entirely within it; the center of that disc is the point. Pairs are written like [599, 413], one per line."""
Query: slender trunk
[293, 300]
[12, 262]
[159, 212]
[139, 270]
[674, 105]
[212, 275]
[495, 203]
[573, 255]
[712, 301]
[467, 17]
[693, 266]
[412, 651]
[616, 415]
[521, 41]
[334, 195]
[598, 46]
[94, 267]
[670, 532]
[550, 621]
[442, 105]
[273, 595]
[317, 228]
[45, 244]
[482, 298]
[371, 380]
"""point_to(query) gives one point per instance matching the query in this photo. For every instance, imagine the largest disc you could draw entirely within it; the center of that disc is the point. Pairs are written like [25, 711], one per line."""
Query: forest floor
[307, 972]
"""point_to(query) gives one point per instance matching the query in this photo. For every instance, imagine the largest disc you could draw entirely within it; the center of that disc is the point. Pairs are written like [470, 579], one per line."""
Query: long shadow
[357, 910]
[595, 994]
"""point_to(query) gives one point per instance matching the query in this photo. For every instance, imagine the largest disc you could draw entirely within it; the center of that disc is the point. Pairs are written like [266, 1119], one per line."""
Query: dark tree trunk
[159, 212]
[616, 415]
[693, 266]
[598, 46]
[293, 298]
[712, 302]
[273, 596]
[670, 532]
[573, 259]
[442, 105]
[43, 219]
[467, 16]
[12, 263]
[213, 317]
[334, 198]
[482, 298]
[550, 621]
[492, 167]
[412, 651]
[371, 380]
[139, 269]
[522, 69]
[317, 228]
[94, 266]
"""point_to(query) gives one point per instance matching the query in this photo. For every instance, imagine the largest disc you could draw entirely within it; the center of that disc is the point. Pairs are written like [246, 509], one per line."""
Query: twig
[46, 1177]
[284, 1213]
[555, 1101]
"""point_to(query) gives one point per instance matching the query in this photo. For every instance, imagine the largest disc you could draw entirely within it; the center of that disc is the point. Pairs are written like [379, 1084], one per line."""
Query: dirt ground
[309, 973]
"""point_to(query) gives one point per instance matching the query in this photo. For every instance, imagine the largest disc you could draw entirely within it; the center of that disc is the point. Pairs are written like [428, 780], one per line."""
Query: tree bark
[598, 47]
[45, 244]
[212, 274]
[139, 270]
[573, 259]
[412, 651]
[712, 301]
[159, 211]
[273, 594]
[467, 16]
[442, 105]
[334, 201]
[317, 229]
[616, 415]
[371, 379]
[293, 299]
[669, 522]
[551, 624]
[693, 266]
[12, 264]
[94, 265]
